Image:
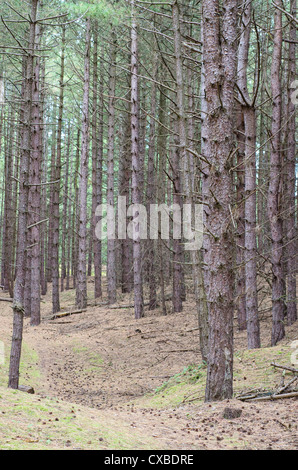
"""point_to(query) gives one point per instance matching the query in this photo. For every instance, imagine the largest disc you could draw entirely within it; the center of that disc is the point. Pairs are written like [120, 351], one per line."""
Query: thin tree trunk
[274, 196]
[124, 191]
[36, 161]
[240, 253]
[81, 287]
[52, 192]
[65, 212]
[151, 188]
[188, 183]
[249, 113]
[97, 128]
[57, 186]
[291, 181]
[137, 251]
[111, 254]
[8, 211]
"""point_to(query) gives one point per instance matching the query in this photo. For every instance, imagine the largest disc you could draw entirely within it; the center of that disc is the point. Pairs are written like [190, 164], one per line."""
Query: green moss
[26, 423]
[29, 366]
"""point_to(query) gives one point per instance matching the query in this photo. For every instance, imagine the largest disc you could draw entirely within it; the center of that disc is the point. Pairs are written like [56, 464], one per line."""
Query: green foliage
[190, 374]
[106, 11]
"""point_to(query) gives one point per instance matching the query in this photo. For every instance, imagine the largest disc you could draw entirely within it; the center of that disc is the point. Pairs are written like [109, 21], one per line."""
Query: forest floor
[103, 380]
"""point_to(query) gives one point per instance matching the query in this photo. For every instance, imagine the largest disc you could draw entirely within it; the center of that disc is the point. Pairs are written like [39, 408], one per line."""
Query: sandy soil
[104, 359]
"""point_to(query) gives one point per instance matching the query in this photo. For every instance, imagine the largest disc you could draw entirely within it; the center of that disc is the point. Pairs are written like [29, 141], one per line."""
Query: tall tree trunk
[274, 196]
[151, 188]
[97, 144]
[8, 210]
[57, 186]
[43, 214]
[188, 183]
[162, 161]
[124, 191]
[291, 180]
[75, 220]
[111, 254]
[249, 113]
[18, 301]
[240, 196]
[65, 211]
[36, 162]
[137, 252]
[219, 42]
[81, 288]
[52, 192]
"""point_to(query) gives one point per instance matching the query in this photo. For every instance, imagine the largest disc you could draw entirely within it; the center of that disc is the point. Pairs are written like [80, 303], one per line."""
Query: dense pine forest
[148, 171]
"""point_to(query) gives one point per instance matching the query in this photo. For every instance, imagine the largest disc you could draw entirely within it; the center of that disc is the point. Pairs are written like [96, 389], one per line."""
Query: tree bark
[219, 42]
[81, 288]
[274, 196]
[137, 252]
[97, 148]
[291, 181]
[249, 113]
[188, 183]
[57, 187]
[111, 254]
[35, 168]
[18, 301]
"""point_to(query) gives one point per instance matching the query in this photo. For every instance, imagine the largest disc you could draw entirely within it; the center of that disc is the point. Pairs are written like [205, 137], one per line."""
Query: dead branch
[270, 397]
[291, 369]
[67, 314]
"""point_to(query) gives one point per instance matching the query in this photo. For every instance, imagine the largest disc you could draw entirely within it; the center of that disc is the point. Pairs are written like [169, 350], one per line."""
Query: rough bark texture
[249, 113]
[57, 187]
[97, 145]
[291, 181]
[137, 251]
[274, 195]
[219, 41]
[35, 171]
[111, 254]
[188, 183]
[240, 197]
[18, 301]
[81, 287]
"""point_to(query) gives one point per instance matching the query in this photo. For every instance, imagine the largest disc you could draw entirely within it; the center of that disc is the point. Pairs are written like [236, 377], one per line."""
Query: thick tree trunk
[220, 32]
[18, 301]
